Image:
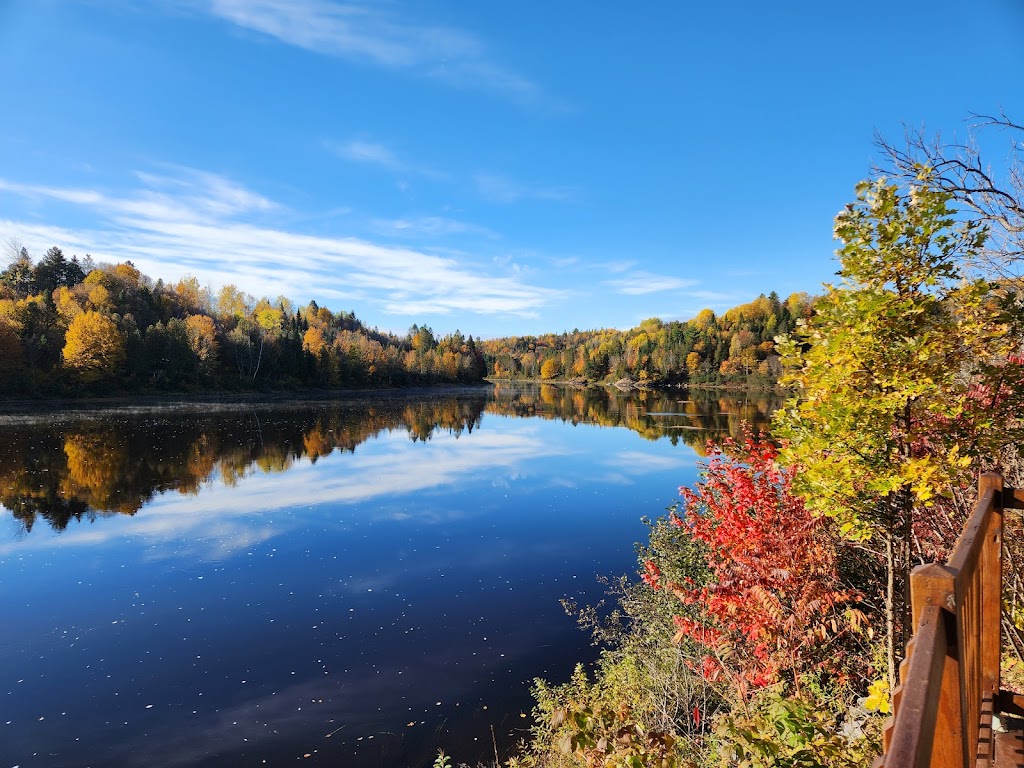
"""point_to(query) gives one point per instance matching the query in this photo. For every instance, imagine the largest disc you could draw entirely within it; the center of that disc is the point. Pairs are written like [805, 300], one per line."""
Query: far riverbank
[653, 387]
[22, 410]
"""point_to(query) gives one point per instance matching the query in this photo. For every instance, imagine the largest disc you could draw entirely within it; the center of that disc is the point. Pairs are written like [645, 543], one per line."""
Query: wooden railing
[949, 681]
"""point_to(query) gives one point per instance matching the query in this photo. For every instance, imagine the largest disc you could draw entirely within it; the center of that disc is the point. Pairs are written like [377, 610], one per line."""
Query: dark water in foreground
[349, 583]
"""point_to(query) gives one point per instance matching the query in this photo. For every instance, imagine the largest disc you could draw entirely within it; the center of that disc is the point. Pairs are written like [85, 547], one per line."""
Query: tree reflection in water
[101, 464]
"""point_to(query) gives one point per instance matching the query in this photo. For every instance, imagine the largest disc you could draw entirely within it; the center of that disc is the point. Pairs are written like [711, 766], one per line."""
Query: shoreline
[29, 410]
[24, 410]
[775, 390]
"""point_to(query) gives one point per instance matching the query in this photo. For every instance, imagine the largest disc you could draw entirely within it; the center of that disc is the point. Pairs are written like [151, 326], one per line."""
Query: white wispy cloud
[714, 296]
[492, 187]
[368, 152]
[202, 223]
[377, 35]
[192, 195]
[641, 283]
[501, 189]
[376, 154]
[617, 267]
[430, 226]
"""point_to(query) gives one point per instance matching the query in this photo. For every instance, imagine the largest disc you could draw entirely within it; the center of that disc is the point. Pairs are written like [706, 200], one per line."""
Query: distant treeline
[70, 327]
[737, 347]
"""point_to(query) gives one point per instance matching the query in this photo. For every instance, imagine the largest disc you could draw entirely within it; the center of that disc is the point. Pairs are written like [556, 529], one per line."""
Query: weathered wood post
[991, 567]
[933, 585]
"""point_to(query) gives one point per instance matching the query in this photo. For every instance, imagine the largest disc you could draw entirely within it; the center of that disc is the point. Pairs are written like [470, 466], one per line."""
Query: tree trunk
[890, 612]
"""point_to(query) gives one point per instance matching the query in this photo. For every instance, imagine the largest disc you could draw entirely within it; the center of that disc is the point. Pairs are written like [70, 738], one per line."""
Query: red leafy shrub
[773, 604]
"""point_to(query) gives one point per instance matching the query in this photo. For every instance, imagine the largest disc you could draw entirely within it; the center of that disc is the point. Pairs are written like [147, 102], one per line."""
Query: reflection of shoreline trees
[100, 468]
[114, 465]
[692, 418]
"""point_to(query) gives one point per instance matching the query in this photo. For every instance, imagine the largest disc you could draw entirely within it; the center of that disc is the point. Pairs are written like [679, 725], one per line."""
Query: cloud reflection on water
[222, 516]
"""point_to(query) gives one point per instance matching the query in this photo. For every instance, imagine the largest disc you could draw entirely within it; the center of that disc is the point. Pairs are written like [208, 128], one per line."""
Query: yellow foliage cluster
[550, 368]
[93, 346]
[202, 337]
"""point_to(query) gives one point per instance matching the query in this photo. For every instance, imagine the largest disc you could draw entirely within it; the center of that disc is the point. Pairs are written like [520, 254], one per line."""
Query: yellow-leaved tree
[551, 368]
[202, 340]
[94, 346]
[890, 413]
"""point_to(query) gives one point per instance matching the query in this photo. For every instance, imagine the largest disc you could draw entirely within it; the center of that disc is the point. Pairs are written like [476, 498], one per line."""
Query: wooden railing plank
[964, 557]
[1013, 498]
[887, 729]
[932, 586]
[914, 733]
[942, 711]
[985, 751]
[991, 578]
[1011, 703]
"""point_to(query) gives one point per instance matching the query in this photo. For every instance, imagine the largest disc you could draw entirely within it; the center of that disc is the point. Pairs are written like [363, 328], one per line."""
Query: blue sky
[500, 168]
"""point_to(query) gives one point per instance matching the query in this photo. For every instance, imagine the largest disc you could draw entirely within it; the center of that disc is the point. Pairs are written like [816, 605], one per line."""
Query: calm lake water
[351, 583]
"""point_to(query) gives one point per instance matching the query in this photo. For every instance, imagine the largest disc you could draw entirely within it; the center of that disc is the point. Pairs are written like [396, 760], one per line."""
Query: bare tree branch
[12, 251]
[958, 168]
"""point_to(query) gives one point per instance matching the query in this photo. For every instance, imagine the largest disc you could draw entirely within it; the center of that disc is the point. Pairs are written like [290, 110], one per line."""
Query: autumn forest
[772, 612]
[70, 326]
